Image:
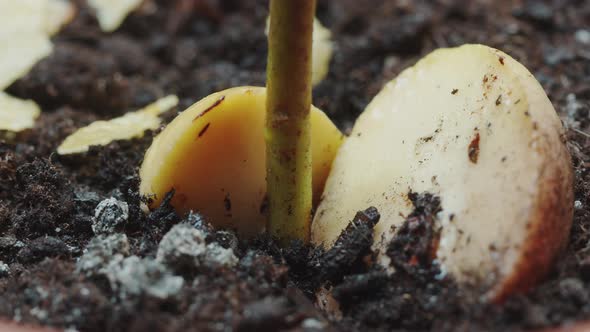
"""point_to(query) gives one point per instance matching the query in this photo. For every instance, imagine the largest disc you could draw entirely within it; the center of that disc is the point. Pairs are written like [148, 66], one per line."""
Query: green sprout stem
[288, 104]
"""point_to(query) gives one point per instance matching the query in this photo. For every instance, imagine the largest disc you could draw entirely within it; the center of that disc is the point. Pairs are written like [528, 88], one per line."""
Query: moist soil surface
[64, 265]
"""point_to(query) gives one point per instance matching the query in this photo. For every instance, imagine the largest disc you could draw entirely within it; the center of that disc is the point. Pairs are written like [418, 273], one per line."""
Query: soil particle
[6, 242]
[133, 277]
[227, 239]
[359, 285]
[4, 269]
[351, 246]
[42, 247]
[80, 76]
[86, 201]
[156, 224]
[110, 215]
[574, 289]
[414, 244]
[536, 12]
[182, 248]
[44, 200]
[100, 252]
[218, 256]
[409, 36]
[577, 110]
[554, 56]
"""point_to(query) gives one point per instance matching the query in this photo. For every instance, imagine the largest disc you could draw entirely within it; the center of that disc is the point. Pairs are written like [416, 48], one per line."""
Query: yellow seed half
[213, 156]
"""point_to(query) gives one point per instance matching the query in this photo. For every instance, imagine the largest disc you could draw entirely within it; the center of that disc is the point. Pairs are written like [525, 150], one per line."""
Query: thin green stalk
[288, 104]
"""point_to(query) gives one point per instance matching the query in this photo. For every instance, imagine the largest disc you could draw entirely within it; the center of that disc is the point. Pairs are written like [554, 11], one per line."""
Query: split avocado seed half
[213, 155]
[469, 125]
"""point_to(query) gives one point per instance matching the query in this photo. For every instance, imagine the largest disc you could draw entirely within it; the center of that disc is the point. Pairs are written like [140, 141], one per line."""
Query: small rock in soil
[312, 324]
[227, 239]
[135, 276]
[109, 215]
[100, 252]
[218, 256]
[40, 248]
[198, 222]
[582, 36]
[7, 242]
[536, 316]
[576, 110]
[352, 245]
[85, 200]
[182, 248]
[535, 12]
[268, 314]
[4, 269]
[556, 55]
[573, 288]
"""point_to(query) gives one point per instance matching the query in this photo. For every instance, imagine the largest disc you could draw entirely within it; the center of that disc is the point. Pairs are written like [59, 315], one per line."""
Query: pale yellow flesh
[415, 135]
[213, 155]
[17, 114]
[111, 13]
[128, 126]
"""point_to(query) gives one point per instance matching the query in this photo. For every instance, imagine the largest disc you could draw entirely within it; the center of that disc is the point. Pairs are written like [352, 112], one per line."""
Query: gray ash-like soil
[65, 264]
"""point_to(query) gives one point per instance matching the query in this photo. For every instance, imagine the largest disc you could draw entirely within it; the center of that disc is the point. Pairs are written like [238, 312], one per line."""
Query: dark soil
[55, 271]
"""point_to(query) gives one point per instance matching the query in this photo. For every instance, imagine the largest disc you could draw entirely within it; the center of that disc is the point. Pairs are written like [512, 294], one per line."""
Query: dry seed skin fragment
[19, 55]
[111, 13]
[25, 28]
[130, 125]
[213, 155]
[17, 114]
[321, 51]
[58, 13]
[45, 16]
[501, 169]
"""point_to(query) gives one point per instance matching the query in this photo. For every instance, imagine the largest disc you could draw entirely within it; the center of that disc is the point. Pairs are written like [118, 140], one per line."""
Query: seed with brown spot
[227, 203]
[501, 59]
[215, 104]
[264, 205]
[473, 149]
[202, 131]
[454, 91]
[499, 100]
